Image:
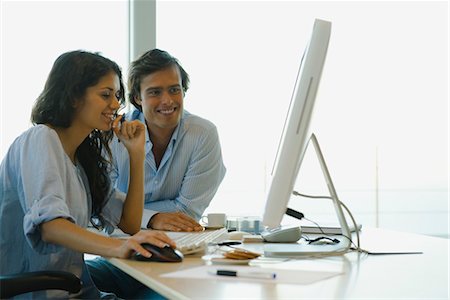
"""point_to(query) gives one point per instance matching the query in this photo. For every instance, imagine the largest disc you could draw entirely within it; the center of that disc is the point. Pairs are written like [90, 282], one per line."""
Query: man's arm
[200, 183]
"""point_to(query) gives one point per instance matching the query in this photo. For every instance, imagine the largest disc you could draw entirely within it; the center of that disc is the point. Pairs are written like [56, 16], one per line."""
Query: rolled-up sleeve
[41, 211]
[43, 180]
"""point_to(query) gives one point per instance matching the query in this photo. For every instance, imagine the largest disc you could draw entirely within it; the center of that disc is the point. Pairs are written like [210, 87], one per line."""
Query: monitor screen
[295, 134]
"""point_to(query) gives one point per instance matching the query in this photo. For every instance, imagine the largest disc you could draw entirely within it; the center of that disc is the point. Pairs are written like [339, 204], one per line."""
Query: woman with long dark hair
[54, 180]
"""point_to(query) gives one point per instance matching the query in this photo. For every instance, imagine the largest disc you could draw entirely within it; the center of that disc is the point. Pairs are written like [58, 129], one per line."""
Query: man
[183, 161]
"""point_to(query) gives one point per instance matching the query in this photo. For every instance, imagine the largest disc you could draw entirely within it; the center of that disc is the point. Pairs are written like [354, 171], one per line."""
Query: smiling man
[183, 160]
[183, 163]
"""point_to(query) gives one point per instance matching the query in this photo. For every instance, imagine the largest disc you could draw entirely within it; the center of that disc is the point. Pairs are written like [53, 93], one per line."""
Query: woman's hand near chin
[131, 134]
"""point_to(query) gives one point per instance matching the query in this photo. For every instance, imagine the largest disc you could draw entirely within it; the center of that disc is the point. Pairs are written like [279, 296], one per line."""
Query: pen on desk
[245, 274]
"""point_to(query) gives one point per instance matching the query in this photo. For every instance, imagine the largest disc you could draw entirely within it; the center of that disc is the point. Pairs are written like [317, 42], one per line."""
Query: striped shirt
[39, 183]
[189, 174]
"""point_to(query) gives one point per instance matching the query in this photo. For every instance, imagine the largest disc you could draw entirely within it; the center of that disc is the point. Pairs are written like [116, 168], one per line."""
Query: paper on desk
[283, 276]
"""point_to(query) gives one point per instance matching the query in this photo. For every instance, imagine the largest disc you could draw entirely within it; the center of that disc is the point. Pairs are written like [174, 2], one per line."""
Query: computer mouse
[165, 254]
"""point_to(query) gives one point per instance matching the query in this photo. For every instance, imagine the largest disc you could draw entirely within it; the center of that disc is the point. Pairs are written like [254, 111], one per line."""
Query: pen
[116, 115]
[243, 274]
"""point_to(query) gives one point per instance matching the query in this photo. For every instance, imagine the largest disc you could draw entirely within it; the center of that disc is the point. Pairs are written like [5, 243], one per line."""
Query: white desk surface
[410, 276]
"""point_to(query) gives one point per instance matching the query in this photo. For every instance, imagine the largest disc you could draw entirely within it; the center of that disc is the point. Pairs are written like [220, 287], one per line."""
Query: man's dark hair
[150, 62]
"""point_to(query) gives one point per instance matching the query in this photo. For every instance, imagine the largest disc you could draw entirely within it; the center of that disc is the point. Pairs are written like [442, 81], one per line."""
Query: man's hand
[173, 221]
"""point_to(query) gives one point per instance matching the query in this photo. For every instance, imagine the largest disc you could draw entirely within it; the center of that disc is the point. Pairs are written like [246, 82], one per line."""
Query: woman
[54, 180]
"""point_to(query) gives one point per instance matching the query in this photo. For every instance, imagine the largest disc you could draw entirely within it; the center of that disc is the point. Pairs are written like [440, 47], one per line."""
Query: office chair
[15, 284]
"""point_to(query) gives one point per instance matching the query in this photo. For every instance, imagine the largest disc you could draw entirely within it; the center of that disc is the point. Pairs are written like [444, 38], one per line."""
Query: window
[381, 114]
[35, 33]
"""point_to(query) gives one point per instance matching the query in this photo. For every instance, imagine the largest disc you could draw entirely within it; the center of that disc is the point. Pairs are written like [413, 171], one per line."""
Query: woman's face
[96, 110]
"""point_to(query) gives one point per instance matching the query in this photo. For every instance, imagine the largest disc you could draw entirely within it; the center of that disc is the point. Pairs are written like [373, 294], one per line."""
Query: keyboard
[194, 242]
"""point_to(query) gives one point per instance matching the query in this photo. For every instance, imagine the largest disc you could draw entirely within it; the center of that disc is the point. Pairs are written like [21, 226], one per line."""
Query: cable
[295, 193]
[358, 248]
[321, 238]
[295, 214]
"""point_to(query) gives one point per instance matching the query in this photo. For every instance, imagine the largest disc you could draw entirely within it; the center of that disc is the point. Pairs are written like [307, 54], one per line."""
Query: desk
[418, 276]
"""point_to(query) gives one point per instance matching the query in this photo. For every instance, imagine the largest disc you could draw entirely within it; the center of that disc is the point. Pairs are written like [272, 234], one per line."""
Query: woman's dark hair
[150, 62]
[72, 73]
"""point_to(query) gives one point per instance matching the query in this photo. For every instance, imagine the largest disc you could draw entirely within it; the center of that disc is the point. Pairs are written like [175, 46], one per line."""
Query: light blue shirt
[38, 183]
[189, 174]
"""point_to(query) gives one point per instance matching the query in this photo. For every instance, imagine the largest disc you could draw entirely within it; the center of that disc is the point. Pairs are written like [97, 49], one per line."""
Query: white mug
[216, 220]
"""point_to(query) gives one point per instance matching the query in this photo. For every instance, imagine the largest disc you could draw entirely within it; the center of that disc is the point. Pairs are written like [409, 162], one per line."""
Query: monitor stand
[299, 249]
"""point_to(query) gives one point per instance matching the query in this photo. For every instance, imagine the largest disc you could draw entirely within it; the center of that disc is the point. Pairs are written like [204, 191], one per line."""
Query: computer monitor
[296, 128]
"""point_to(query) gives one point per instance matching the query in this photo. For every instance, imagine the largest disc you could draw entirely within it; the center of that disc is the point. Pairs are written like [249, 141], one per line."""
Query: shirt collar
[136, 114]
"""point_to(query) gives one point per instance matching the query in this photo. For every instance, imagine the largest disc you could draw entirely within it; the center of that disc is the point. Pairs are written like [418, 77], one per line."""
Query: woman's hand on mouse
[133, 244]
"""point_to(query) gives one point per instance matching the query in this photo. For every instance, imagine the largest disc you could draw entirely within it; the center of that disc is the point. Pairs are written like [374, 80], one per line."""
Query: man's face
[161, 98]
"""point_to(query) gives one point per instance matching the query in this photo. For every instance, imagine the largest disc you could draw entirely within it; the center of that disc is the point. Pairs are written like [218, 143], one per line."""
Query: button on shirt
[39, 183]
[189, 174]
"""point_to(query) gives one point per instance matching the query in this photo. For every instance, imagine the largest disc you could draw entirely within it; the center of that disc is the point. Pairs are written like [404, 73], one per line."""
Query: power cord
[321, 239]
[358, 248]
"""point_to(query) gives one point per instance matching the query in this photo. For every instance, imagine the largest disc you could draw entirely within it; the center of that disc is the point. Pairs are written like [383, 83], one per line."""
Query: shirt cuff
[146, 216]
